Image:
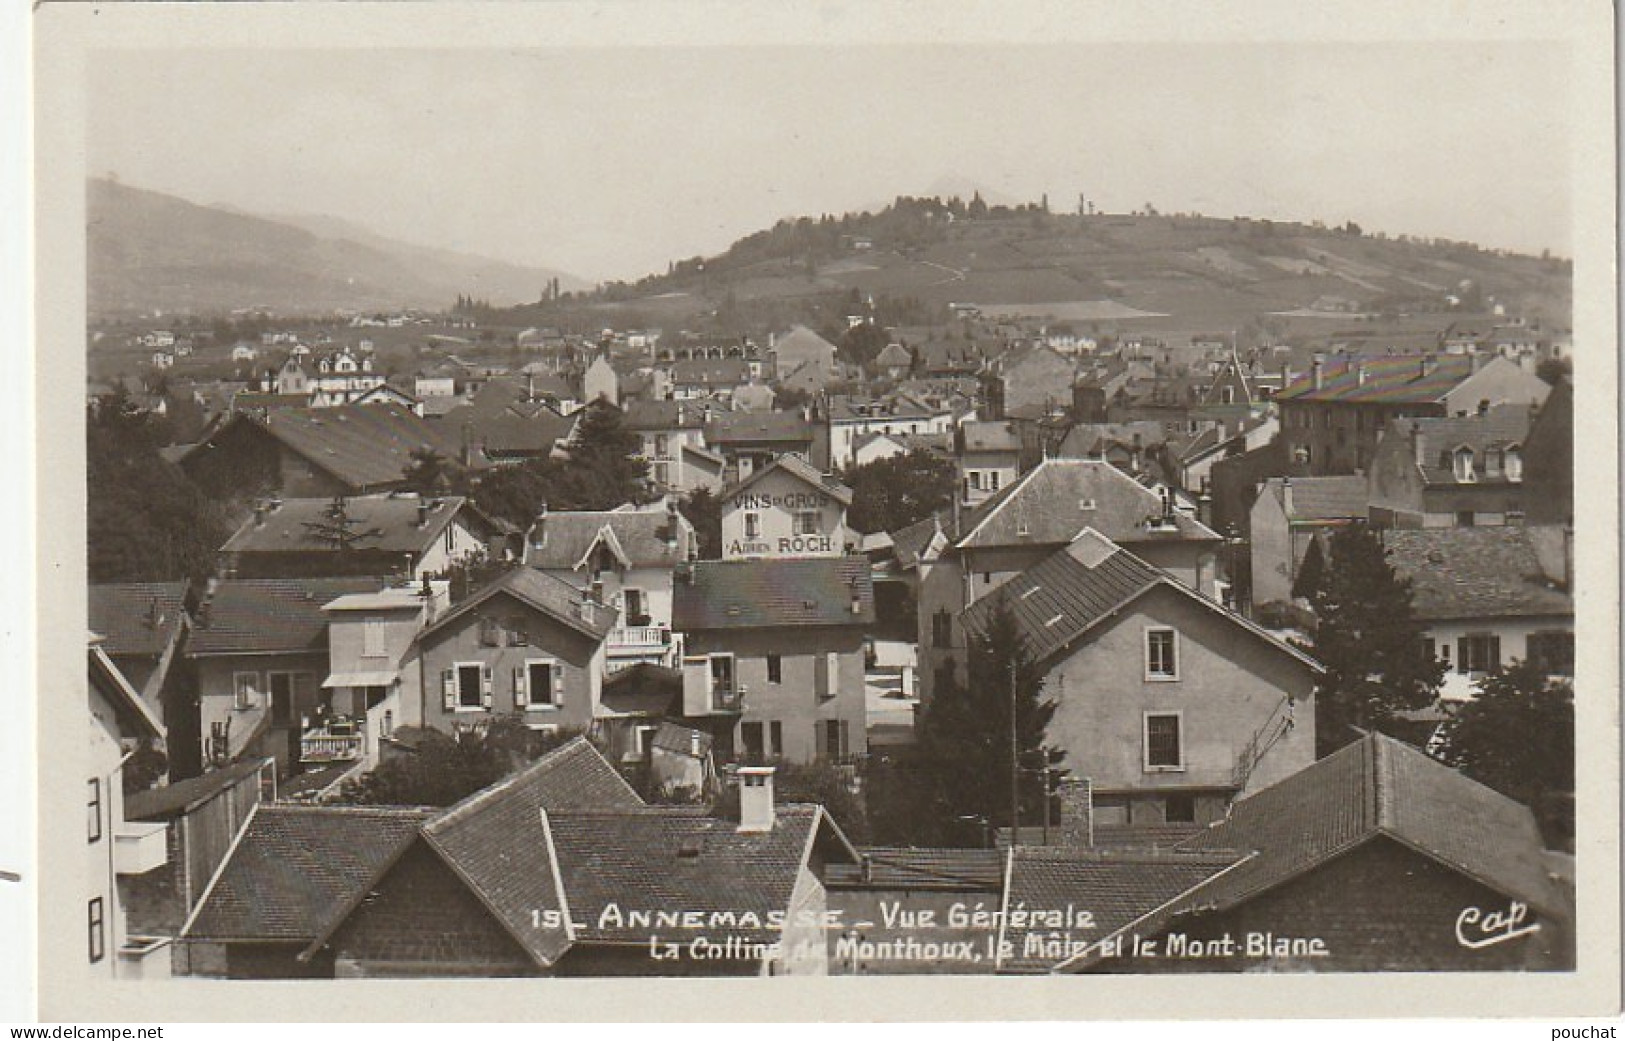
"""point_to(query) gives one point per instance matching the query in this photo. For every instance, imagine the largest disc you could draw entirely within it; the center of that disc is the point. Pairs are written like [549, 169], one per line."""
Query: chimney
[1315, 372]
[1428, 365]
[694, 743]
[261, 509]
[1286, 496]
[1077, 812]
[755, 799]
[424, 509]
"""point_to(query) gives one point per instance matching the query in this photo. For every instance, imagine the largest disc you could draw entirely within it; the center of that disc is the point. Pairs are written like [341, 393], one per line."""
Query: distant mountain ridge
[147, 250]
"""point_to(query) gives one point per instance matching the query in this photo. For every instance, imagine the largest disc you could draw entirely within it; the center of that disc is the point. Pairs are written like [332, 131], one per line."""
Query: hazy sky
[608, 162]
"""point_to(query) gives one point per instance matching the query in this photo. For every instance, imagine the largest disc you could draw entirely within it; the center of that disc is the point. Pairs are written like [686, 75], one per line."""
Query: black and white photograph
[605, 494]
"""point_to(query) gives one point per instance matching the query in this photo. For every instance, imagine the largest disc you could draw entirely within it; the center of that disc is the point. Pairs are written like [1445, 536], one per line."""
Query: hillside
[1189, 272]
[147, 250]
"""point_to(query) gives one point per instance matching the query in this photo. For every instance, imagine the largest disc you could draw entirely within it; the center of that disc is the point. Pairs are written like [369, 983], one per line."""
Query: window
[246, 689]
[372, 638]
[285, 687]
[829, 676]
[538, 683]
[1464, 466]
[753, 525]
[1227, 395]
[775, 668]
[636, 606]
[806, 522]
[776, 731]
[1553, 651]
[660, 446]
[389, 724]
[976, 480]
[722, 673]
[1163, 747]
[750, 737]
[832, 739]
[1161, 655]
[993, 480]
[451, 537]
[467, 686]
[1477, 653]
[1512, 463]
[490, 633]
[94, 810]
[1179, 809]
[98, 931]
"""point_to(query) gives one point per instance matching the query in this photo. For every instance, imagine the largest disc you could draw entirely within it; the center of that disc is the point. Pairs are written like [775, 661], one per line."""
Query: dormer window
[1512, 463]
[1464, 465]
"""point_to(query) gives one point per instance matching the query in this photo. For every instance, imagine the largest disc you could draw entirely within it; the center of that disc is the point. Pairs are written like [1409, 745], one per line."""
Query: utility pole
[1015, 766]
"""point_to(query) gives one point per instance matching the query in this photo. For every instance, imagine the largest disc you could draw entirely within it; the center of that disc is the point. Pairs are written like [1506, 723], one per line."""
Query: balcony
[639, 638]
[140, 846]
[335, 743]
[727, 699]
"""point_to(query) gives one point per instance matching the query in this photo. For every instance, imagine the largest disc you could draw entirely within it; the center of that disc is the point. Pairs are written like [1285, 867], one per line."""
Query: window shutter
[485, 685]
[832, 674]
[557, 672]
[1461, 655]
[521, 692]
[448, 689]
[846, 745]
[1494, 659]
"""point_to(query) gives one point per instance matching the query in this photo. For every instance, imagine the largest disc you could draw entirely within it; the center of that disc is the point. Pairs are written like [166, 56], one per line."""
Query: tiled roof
[286, 529]
[552, 596]
[1377, 786]
[498, 839]
[1492, 572]
[137, 618]
[796, 467]
[732, 427]
[506, 431]
[660, 415]
[1395, 380]
[660, 860]
[1060, 599]
[1501, 427]
[908, 543]
[893, 354]
[1321, 498]
[1058, 498]
[294, 867]
[741, 594]
[674, 737]
[1117, 888]
[364, 446]
[180, 797]
[989, 436]
[892, 867]
[639, 535]
[1090, 440]
[268, 615]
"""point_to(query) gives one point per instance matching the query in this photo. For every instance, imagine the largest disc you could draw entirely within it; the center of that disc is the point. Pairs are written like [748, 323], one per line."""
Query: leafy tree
[337, 530]
[443, 769]
[1367, 637]
[893, 493]
[703, 509]
[957, 779]
[1517, 734]
[608, 459]
[146, 522]
[1311, 573]
[862, 342]
[431, 473]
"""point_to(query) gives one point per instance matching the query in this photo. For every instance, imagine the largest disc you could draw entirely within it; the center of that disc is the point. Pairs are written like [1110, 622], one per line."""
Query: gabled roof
[637, 537]
[363, 446]
[1320, 498]
[732, 427]
[137, 618]
[910, 542]
[893, 354]
[1490, 572]
[285, 529]
[988, 436]
[1061, 600]
[551, 596]
[1377, 786]
[747, 594]
[1397, 380]
[803, 471]
[1058, 498]
[270, 615]
[1117, 887]
[292, 868]
[803, 344]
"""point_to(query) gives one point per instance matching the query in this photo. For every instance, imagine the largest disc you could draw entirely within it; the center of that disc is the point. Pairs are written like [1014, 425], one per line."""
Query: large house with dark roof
[786, 508]
[749, 441]
[558, 870]
[773, 655]
[1332, 416]
[1169, 704]
[1377, 858]
[1487, 596]
[673, 435]
[1451, 471]
[1028, 521]
[400, 535]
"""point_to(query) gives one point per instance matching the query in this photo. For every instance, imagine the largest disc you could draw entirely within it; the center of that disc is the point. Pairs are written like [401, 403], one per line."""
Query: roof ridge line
[460, 809]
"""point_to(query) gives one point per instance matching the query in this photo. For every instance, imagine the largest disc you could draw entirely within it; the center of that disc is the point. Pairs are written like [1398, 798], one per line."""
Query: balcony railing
[639, 637]
[320, 746]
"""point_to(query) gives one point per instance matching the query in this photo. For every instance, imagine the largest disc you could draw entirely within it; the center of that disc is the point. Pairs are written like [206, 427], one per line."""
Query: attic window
[1086, 504]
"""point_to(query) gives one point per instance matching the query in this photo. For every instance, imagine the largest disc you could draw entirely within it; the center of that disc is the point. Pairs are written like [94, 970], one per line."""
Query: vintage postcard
[1074, 511]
